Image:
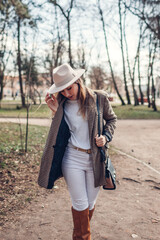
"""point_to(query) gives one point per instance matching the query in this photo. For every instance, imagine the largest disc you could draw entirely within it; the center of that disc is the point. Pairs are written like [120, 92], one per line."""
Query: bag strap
[99, 128]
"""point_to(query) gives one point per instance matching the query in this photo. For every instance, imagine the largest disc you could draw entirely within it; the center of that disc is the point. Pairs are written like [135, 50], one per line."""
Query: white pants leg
[78, 173]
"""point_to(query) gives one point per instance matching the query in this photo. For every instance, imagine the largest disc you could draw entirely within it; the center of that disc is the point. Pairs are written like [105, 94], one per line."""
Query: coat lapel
[92, 113]
[56, 123]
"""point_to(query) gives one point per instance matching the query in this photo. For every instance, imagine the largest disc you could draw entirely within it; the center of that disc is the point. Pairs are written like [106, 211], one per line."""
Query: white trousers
[78, 173]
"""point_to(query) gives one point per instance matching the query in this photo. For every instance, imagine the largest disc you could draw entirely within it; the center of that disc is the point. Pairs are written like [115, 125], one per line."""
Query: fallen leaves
[155, 220]
[134, 235]
[18, 170]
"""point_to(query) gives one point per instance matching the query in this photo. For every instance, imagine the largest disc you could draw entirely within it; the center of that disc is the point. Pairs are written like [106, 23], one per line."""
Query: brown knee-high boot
[81, 223]
[91, 213]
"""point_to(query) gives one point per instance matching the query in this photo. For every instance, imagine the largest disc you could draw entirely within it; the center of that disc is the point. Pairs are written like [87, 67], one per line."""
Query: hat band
[65, 81]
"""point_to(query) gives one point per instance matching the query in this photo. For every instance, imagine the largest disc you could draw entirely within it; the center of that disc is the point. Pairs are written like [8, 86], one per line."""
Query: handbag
[110, 173]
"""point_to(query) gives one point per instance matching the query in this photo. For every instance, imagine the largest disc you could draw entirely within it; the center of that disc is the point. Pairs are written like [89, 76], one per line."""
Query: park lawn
[15, 111]
[19, 169]
[11, 141]
[135, 112]
[42, 111]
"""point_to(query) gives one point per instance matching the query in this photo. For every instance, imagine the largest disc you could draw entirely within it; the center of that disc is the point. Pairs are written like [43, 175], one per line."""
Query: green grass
[10, 140]
[14, 110]
[123, 112]
[135, 112]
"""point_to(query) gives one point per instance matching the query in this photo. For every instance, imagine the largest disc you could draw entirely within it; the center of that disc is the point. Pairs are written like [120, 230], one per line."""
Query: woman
[72, 146]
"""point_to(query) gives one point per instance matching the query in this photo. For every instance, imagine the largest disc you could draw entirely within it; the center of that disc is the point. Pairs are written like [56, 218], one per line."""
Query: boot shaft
[81, 223]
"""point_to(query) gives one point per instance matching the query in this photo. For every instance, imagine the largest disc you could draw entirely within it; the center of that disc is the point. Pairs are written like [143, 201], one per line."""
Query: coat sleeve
[110, 119]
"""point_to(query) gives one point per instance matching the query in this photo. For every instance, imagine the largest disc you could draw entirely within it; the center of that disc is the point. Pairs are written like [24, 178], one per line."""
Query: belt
[82, 150]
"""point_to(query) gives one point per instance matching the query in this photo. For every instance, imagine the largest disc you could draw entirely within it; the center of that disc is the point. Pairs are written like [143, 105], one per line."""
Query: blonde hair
[84, 94]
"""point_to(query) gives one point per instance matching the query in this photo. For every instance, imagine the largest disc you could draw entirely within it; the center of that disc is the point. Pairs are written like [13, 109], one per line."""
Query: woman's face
[71, 92]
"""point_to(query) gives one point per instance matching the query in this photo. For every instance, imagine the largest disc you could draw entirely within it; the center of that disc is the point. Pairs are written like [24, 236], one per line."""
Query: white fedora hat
[63, 77]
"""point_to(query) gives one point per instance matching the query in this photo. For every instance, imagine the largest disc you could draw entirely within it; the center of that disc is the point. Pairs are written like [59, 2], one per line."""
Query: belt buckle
[88, 151]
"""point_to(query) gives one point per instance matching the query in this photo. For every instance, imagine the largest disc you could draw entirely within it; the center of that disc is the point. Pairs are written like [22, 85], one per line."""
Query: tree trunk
[59, 42]
[1, 84]
[19, 64]
[139, 78]
[68, 27]
[51, 72]
[106, 44]
[132, 74]
[122, 51]
[58, 52]
[153, 95]
[148, 91]
[133, 84]
[26, 137]
[149, 70]
[69, 39]
[153, 87]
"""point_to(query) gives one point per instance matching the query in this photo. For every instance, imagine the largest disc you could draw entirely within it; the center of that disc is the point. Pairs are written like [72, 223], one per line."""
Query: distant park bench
[145, 100]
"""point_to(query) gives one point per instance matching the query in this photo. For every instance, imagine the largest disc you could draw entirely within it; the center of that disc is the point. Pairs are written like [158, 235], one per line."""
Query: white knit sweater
[78, 126]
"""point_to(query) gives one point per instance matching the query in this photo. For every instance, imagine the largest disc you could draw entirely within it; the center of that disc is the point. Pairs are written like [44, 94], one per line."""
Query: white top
[78, 126]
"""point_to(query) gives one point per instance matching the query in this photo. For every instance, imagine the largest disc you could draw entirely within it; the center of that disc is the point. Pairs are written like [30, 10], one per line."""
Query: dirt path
[130, 212]
[33, 121]
[139, 138]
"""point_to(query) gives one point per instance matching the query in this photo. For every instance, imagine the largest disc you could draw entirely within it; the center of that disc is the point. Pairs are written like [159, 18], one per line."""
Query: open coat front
[50, 169]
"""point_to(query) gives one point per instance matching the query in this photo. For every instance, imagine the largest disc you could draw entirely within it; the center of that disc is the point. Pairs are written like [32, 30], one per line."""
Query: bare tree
[152, 76]
[23, 11]
[79, 59]
[150, 86]
[60, 47]
[81, 55]
[98, 78]
[148, 72]
[66, 14]
[19, 62]
[54, 55]
[138, 61]
[30, 75]
[108, 55]
[4, 52]
[54, 58]
[131, 72]
[122, 51]
[148, 12]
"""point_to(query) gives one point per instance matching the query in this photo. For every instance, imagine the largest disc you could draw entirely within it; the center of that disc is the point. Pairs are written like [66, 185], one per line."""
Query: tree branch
[56, 4]
[142, 17]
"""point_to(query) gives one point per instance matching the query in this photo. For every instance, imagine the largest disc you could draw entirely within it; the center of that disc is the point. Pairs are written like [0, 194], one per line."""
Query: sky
[87, 24]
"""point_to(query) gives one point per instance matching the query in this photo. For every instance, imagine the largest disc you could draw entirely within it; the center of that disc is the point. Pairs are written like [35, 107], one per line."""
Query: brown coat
[48, 161]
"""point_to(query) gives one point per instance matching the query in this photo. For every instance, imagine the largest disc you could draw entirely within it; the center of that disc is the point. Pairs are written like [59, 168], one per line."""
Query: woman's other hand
[100, 141]
[51, 102]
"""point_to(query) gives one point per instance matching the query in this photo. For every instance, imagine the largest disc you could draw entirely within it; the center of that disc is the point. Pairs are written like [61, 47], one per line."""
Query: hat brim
[53, 89]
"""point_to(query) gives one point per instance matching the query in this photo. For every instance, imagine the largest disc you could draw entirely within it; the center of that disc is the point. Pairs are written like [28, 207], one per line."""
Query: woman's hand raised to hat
[51, 102]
